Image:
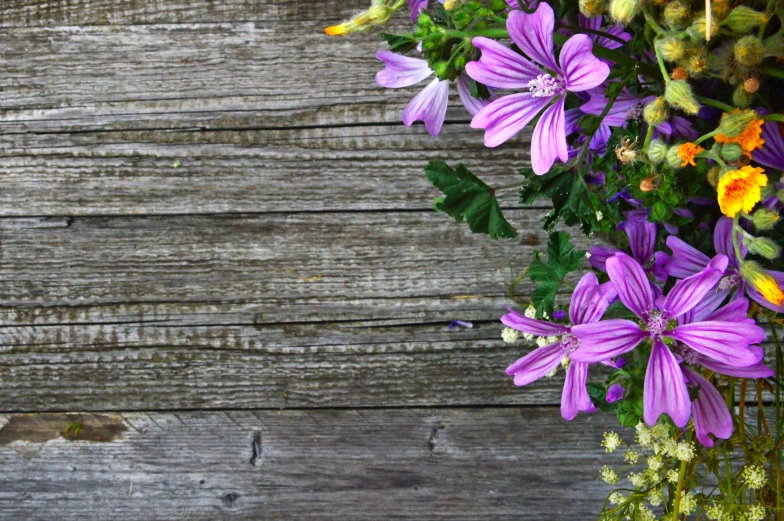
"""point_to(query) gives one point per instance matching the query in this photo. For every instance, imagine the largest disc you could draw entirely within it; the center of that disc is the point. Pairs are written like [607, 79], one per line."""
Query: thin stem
[772, 71]
[584, 30]
[706, 136]
[676, 505]
[773, 117]
[648, 136]
[663, 68]
[715, 104]
[650, 19]
[769, 11]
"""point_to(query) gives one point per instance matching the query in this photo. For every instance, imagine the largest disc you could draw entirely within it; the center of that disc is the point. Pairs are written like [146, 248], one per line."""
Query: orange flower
[749, 139]
[762, 281]
[687, 151]
[336, 30]
[739, 190]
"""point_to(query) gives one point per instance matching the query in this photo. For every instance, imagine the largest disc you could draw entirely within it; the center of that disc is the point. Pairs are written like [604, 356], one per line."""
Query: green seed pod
[734, 123]
[744, 19]
[623, 11]
[657, 151]
[671, 48]
[592, 8]
[749, 51]
[731, 151]
[764, 247]
[677, 14]
[741, 97]
[765, 219]
[678, 94]
[673, 158]
[655, 112]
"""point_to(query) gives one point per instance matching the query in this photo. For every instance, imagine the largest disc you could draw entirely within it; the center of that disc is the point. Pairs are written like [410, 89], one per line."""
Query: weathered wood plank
[474, 464]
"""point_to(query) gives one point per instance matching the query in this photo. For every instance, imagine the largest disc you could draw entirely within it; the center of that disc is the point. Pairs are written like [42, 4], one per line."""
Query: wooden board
[444, 464]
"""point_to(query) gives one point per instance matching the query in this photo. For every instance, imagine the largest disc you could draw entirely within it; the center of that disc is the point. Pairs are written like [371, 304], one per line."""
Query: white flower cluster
[609, 475]
[509, 335]
[754, 477]
[611, 441]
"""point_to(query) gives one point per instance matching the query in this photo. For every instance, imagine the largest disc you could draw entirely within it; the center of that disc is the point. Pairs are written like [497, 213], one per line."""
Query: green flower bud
[713, 176]
[655, 112]
[673, 158]
[744, 19]
[698, 29]
[592, 8]
[765, 218]
[657, 151]
[460, 62]
[734, 123]
[741, 97]
[780, 195]
[623, 11]
[731, 151]
[679, 94]
[749, 51]
[670, 48]
[764, 247]
[696, 63]
[677, 14]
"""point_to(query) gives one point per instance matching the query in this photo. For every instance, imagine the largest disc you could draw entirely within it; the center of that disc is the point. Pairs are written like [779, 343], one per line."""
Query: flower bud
[657, 151]
[677, 14]
[765, 219]
[749, 51]
[780, 195]
[451, 4]
[670, 48]
[734, 123]
[713, 176]
[623, 11]
[698, 29]
[741, 97]
[753, 274]
[592, 8]
[720, 9]
[678, 94]
[679, 73]
[764, 247]
[377, 15]
[751, 85]
[655, 112]
[732, 151]
[744, 19]
[673, 158]
[697, 63]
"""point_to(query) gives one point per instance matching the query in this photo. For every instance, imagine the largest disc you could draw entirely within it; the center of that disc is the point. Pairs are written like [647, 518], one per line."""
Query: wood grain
[450, 464]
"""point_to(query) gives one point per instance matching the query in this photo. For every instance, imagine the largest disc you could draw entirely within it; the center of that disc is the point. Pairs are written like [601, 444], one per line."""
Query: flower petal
[589, 303]
[686, 260]
[533, 34]
[726, 342]
[642, 239]
[575, 395]
[536, 364]
[507, 116]
[665, 390]
[722, 241]
[582, 69]
[711, 415]
[472, 105]
[607, 339]
[549, 139]
[500, 66]
[599, 256]
[772, 152]
[401, 71]
[735, 311]
[429, 106]
[708, 305]
[532, 326]
[688, 292]
[758, 370]
[632, 285]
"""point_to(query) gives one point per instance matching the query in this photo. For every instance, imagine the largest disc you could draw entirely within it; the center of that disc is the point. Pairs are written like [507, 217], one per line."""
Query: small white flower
[685, 451]
[528, 336]
[542, 341]
[644, 436]
[566, 362]
[530, 311]
[755, 513]
[609, 475]
[552, 339]
[631, 456]
[616, 498]
[754, 477]
[510, 335]
[587, 255]
[656, 497]
[599, 216]
[715, 512]
[688, 503]
[552, 373]
[654, 463]
[673, 476]
[638, 480]
[611, 441]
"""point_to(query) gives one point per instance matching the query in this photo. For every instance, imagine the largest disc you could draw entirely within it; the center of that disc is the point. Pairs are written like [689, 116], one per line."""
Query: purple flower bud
[620, 362]
[559, 315]
[615, 393]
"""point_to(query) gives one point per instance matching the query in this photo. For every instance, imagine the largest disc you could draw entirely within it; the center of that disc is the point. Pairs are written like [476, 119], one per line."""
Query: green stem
[676, 505]
[772, 71]
[769, 11]
[777, 450]
[648, 136]
[650, 19]
[773, 117]
[735, 229]
[663, 68]
[715, 104]
[706, 136]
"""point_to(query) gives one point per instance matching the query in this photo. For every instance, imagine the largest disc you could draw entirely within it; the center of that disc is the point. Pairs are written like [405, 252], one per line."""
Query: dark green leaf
[400, 43]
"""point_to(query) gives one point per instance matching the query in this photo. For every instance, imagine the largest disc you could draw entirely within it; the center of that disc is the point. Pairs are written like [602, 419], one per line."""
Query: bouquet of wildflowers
[657, 131]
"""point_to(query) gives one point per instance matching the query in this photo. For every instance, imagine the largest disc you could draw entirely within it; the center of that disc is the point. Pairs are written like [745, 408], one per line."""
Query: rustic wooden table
[217, 247]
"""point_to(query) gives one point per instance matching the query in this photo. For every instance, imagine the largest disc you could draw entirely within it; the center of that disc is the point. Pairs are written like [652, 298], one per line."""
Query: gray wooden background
[217, 253]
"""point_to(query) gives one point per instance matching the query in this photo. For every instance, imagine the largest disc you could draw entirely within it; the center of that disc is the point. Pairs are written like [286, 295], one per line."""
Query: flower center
[569, 342]
[689, 355]
[635, 112]
[656, 323]
[545, 86]
[728, 282]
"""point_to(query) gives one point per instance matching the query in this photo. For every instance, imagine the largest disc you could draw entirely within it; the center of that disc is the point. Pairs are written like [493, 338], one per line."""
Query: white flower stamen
[545, 86]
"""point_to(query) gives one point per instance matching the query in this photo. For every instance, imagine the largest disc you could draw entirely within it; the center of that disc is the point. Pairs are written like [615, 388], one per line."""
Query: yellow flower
[749, 139]
[337, 30]
[739, 190]
[687, 151]
[762, 281]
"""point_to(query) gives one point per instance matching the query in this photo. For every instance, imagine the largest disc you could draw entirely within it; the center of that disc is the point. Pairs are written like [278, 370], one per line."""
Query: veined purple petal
[401, 71]
[616, 117]
[533, 34]
[429, 106]
[711, 415]
[582, 70]
[722, 241]
[665, 390]
[575, 396]
[688, 292]
[642, 239]
[685, 260]
[735, 311]
[615, 30]
[758, 370]
[660, 260]
[507, 116]
[600, 139]
[571, 119]
[472, 105]
[590, 300]
[599, 256]
[549, 139]
[705, 307]
[536, 364]
[607, 339]
[682, 129]
[726, 342]
[500, 66]
[632, 285]
[772, 152]
[532, 326]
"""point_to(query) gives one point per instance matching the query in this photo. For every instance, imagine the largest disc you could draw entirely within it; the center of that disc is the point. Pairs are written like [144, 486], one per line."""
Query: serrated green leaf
[468, 198]
[399, 43]
[543, 297]
[538, 271]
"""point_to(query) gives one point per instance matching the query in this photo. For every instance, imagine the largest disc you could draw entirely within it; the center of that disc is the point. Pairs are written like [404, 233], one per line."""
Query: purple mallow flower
[431, 103]
[642, 240]
[589, 302]
[771, 154]
[579, 70]
[665, 388]
[615, 393]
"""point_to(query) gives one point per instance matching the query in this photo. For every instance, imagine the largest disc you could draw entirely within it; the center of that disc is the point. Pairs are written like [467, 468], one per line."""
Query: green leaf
[543, 297]
[467, 198]
[562, 259]
[479, 90]
[571, 200]
[400, 43]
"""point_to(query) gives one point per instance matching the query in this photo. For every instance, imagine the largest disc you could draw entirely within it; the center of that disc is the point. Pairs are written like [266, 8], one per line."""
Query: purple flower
[665, 388]
[431, 103]
[711, 415]
[501, 67]
[626, 107]
[615, 393]
[772, 152]
[642, 240]
[589, 302]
